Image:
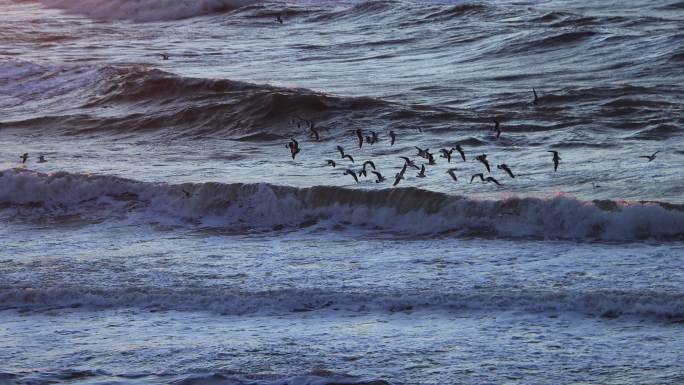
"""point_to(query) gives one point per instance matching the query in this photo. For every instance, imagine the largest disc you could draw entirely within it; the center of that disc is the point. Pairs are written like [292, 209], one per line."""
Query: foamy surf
[31, 196]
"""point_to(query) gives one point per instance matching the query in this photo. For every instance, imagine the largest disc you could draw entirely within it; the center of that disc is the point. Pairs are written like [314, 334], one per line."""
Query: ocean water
[170, 237]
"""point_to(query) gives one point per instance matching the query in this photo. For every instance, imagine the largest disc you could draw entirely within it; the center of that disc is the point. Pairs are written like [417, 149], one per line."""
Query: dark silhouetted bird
[352, 173]
[556, 160]
[483, 159]
[650, 157]
[505, 167]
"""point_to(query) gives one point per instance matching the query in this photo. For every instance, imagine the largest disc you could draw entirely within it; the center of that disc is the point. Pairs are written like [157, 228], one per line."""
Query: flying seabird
[186, 193]
[359, 134]
[24, 157]
[400, 175]
[452, 174]
[446, 154]
[431, 159]
[369, 163]
[331, 163]
[314, 132]
[393, 136]
[536, 99]
[347, 156]
[497, 128]
[556, 159]
[279, 19]
[505, 167]
[421, 174]
[374, 136]
[341, 150]
[483, 159]
[491, 179]
[380, 177]
[164, 56]
[460, 151]
[294, 148]
[352, 173]
[650, 157]
[41, 159]
[422, 153]
[409, 162]
[479, 175]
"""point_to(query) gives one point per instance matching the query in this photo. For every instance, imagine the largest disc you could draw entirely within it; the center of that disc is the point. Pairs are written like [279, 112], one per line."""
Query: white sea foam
[266, 207]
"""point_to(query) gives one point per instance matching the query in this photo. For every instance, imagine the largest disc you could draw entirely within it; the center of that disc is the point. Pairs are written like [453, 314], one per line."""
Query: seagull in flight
[505, 167]
[352, 173]
[452, 173]
[460, 151]
[400, 175]
[421, 174]
[409, 162]
[650, 157]
[483, 159]
[556, 159]
[379, 176]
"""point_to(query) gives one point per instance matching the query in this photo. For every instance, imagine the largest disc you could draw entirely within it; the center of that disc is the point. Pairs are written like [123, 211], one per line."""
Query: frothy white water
[264, 207]
[156, 10]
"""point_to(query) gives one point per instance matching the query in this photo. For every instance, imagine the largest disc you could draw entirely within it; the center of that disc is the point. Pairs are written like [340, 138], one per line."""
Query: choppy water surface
[171, 238]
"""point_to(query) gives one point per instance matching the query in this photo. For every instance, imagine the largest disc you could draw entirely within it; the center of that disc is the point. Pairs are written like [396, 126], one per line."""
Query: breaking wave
[33, 196]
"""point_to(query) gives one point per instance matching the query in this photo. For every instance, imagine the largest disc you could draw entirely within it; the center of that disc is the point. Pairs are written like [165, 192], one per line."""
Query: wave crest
[154, 100]
[241, 207]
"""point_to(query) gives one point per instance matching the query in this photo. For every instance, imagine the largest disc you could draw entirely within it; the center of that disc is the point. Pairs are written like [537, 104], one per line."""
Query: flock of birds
[372, 138]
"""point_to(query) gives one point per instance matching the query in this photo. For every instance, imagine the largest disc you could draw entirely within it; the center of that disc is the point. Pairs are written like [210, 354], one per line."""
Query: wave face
[156, 10]
[315, 377]
[240, 207]
[137, 99]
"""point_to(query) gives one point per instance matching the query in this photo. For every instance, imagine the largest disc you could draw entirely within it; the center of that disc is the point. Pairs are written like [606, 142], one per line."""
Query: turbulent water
[171, 238]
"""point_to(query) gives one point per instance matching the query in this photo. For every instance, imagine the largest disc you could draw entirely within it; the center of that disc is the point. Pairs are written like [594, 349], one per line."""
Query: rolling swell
[157, 10]
[235, 301]
[68, 376]
[84, 198]
[133, 99]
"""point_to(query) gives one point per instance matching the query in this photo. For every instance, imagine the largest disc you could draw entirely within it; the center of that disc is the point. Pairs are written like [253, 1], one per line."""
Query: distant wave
[79, 99]
[31, 196]
[234, 301]
[124, 99]
[48, 376]
[149, 10]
